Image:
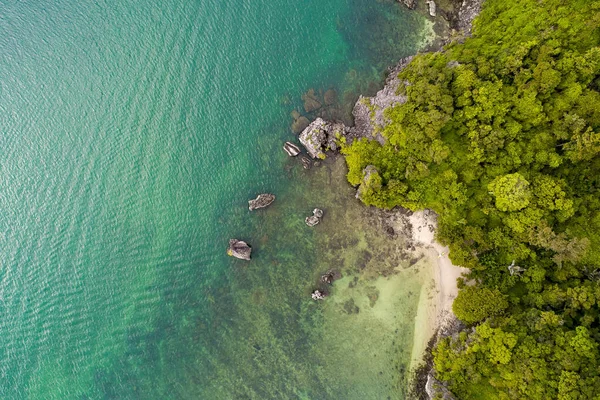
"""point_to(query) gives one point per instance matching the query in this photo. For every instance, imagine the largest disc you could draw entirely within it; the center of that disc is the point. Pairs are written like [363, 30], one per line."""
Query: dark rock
[311, 101]
[262, 200]
[239, 249]
[291, 149]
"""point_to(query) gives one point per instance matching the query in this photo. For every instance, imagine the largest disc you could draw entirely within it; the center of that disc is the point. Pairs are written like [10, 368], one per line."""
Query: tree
[511, 191]
[474, 304]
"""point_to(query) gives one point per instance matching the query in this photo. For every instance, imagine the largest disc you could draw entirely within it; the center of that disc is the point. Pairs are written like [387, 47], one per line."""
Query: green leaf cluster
[500, 135]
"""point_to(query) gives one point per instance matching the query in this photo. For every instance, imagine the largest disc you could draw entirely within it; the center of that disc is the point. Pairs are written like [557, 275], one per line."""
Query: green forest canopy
[500, 135]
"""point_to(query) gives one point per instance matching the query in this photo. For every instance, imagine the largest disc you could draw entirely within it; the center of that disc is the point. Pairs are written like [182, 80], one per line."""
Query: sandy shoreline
[435, 303]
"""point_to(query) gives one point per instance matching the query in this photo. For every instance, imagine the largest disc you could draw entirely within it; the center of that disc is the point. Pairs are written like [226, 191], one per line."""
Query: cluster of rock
[315, 218]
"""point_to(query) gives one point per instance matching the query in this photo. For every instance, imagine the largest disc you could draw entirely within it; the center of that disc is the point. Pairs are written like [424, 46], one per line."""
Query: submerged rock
[262, 200]
[306, 162]
[330, 97]
[239, 249]
[311, 101]
[300, 123]
[291, 149]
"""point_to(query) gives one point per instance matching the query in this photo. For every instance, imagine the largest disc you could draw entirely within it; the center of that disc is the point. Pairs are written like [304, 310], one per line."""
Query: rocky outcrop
[411, 4]
[467, 13]
[239, 249]
[291, 149]
[436, 390]
[315, 218]
[261, 201]
[368, 112]
[321, 136]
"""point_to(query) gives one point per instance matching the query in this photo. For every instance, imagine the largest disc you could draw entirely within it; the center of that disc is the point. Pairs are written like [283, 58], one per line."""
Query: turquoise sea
[132, 134]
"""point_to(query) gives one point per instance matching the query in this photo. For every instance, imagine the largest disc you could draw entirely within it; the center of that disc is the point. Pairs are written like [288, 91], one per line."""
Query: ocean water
[132, 134]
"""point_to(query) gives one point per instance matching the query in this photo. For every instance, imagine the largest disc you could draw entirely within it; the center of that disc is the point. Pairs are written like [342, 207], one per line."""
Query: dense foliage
[501, 136]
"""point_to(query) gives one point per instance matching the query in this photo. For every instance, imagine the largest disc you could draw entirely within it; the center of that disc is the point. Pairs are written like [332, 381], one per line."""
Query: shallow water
[132, 136]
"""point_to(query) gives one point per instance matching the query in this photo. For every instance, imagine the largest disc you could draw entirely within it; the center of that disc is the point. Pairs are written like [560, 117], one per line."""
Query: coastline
[434, 316]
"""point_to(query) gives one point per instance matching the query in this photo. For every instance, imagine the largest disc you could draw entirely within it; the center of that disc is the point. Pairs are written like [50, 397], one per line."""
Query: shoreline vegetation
[498, 134]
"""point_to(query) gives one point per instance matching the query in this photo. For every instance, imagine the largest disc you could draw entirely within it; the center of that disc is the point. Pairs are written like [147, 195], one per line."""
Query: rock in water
[239, 249]
[263, 200]
[312, 220]
[291, 149]
[315, 218]
[314, 137]
[432, 8]
[318, 295]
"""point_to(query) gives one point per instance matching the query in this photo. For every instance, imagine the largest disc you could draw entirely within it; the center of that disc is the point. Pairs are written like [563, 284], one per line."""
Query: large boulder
[239, 249]
[314, 138]
[261, 201]
[321, 136]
